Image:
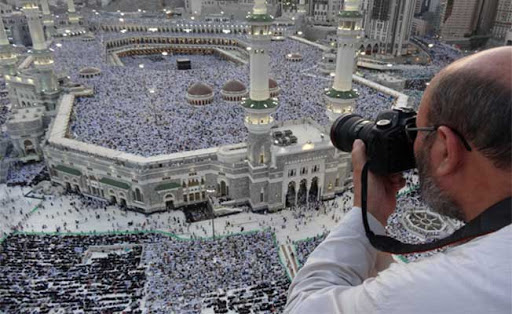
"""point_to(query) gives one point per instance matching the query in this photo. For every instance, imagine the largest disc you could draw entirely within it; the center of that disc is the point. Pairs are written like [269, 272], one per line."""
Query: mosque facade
[308, 170]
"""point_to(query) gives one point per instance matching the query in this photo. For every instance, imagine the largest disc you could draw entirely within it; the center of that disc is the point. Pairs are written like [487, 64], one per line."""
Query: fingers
[358, 155]
[358, 161]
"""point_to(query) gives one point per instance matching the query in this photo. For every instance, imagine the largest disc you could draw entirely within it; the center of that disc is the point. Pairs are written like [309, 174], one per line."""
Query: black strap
[493, 219]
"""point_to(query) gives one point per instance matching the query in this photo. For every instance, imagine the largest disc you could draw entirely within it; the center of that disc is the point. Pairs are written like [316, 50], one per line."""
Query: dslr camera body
[388, 146]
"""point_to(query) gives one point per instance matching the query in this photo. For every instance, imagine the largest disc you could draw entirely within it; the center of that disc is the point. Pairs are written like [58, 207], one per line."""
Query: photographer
[462, 146]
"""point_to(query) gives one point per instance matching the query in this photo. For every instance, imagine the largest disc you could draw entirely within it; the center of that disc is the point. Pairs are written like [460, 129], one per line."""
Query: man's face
[431, 192]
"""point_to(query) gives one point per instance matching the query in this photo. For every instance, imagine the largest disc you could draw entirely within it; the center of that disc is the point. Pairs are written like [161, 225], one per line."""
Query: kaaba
[183, 64]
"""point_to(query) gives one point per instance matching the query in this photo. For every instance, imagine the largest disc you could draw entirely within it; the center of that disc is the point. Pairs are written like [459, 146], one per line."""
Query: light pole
[153, 105]
[209, 193]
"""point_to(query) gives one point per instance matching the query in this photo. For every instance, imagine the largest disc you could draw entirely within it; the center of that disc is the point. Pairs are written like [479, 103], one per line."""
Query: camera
[388, 147]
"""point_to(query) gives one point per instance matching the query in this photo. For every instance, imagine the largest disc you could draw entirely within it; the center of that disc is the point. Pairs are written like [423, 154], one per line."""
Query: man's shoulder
[479, 252]
[477, 271]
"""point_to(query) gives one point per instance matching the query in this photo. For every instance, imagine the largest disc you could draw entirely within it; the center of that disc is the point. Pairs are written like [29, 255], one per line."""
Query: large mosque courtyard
[142, 107]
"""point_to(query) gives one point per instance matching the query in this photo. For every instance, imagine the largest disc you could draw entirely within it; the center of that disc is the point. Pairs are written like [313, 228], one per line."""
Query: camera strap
[494, 218]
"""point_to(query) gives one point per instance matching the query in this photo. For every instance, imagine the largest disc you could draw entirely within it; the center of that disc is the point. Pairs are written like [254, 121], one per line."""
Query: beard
[431, 193]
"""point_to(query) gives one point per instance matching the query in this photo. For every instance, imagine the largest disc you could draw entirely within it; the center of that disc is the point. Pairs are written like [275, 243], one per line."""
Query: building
[466, 22]
[390, 22]
[194, 6]
[8, 58]
[232, 9]
[324, 11]
[432, 5]
[33, 90]
[419, 7]
[17, 28]
[486, 17]
[503, 20]
[73, 17]
[5, 8]
[280, 165]
[70, 24]
[508, 38]
[48, 21]
[432, 15]
[420, 27]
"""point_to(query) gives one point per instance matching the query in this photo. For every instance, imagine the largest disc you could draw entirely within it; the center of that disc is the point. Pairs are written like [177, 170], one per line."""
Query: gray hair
[477, 106]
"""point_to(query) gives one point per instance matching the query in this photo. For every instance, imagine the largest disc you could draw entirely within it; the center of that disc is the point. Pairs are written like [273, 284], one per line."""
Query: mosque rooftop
[309, 135]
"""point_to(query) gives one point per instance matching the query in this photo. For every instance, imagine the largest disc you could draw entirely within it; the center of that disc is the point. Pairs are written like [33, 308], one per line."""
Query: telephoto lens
[347, 128]
[388, 148]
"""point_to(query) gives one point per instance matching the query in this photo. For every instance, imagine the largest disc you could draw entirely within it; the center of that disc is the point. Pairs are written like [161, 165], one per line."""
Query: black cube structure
[183, 64]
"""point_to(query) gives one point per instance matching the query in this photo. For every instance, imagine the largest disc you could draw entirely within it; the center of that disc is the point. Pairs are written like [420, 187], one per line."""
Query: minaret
[301, 7]
[72, 15]
[31, 10]
[43, 59]
[259, 106]
[8, 57]
[341, 97]
[45, 7]
[48, 22]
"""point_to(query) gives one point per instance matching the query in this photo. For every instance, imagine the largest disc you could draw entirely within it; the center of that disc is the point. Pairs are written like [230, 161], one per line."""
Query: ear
[447, 152]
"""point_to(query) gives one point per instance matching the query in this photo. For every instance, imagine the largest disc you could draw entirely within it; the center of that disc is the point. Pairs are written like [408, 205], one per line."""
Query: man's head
[470, 99]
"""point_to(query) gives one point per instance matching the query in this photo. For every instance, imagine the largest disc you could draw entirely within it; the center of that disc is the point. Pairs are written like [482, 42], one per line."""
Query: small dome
[199, 89]
[89, 70]
[294, 55]
[272, 84]
[273, 88]
[234, 86]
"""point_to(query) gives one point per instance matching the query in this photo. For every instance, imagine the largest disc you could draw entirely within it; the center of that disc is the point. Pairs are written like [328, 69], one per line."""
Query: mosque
[280, 165]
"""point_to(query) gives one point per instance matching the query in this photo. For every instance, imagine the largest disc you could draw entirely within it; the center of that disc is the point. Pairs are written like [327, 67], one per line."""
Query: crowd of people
[72, 212]
[4, 110]
[15, 209]
[24, 174]
[169, 62]
[409, 200]
[266, 297]
[305, 247]
[141, 272]
[232, 273]
[129, 99]
[164, 274]
[51, 273]
[417, 77]
[182, 273]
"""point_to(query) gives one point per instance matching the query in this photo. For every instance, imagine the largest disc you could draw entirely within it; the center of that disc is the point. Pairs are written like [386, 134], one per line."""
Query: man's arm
[330, 281]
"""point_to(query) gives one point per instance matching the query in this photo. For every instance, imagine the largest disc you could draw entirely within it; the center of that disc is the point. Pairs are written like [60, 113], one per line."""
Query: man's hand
[381, 198]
